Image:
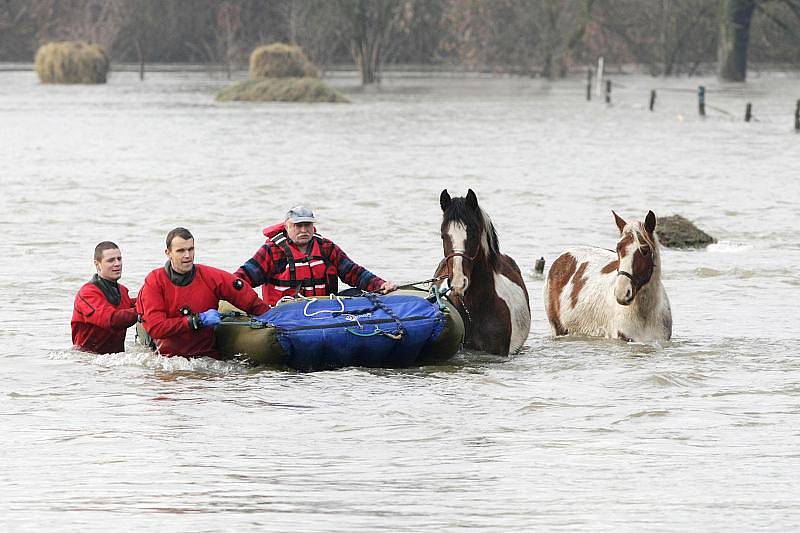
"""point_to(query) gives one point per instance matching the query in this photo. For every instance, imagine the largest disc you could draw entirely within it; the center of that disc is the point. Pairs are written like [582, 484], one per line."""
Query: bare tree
[95, 21]
[368, 24]
[311, 24]
[229, 23]
[734, 37]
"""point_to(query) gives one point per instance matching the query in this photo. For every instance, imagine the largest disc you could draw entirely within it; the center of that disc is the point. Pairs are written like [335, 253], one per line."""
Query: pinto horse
[619, 295]
[487, 286]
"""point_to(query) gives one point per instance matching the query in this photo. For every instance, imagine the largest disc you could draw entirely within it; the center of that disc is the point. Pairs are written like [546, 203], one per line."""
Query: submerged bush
[72, 62]
[281, 90]
[280, 61]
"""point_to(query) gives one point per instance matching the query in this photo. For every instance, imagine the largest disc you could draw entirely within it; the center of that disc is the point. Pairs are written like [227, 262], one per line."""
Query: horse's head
[637, 257]
[468, 239]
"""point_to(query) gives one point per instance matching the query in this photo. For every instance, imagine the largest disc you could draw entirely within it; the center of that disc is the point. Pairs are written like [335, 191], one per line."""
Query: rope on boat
[321, 311]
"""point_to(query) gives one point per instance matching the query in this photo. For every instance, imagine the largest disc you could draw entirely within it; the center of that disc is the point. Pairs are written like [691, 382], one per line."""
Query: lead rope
[443, 306]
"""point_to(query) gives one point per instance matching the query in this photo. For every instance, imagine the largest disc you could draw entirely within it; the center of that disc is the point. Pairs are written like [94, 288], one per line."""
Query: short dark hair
[183, 233]
[102, 247]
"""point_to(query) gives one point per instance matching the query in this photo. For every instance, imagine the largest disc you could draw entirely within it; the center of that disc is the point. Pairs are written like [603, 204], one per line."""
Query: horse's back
[576, 290]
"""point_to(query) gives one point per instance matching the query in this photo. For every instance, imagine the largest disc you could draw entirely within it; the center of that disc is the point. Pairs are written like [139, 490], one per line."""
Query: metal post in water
[748, 112]
[589, 85]
[608, 91]
[652, 99]
[538, 267]
[701, 100]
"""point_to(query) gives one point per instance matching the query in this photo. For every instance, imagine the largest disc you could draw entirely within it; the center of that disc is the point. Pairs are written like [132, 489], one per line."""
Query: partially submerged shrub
[72, 62]
[281, 90]
[280, 61]
[677, 232]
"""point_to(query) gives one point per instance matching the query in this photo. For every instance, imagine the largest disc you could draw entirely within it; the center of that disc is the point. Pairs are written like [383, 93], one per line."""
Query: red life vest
[95, 326]
[306, 275]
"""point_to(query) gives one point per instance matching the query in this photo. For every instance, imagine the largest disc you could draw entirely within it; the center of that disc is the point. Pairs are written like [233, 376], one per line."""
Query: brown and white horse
[485, 285]
[597, 292]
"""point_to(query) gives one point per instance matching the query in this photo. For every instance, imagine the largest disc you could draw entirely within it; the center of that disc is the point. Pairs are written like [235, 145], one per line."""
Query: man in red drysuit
[178, 302]
[103, 311]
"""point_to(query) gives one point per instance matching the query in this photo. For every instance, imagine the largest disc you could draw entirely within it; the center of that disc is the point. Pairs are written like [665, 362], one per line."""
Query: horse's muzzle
[624, 290]
[459, 285]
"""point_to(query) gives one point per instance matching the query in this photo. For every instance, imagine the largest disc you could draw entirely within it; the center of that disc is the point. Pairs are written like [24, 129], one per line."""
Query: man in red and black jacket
[178, 302]
[103, 311]
[296, 261]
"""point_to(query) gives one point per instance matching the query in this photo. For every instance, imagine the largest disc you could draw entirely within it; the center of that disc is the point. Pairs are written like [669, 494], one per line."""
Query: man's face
[181, 254]
[301, 233]
[110, 265]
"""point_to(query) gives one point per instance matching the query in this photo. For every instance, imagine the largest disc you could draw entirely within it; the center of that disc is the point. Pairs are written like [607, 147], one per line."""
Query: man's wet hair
[183, 233]
[102, 247]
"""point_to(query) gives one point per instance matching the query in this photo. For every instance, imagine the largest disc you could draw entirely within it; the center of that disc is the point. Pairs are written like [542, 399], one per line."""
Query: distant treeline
[529, 37]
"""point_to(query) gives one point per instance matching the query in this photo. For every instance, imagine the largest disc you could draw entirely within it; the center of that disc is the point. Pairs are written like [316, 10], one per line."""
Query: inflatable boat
[401, 329]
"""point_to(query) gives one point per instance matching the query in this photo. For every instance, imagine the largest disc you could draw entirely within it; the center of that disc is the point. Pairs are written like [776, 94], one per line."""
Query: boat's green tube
[259, 345]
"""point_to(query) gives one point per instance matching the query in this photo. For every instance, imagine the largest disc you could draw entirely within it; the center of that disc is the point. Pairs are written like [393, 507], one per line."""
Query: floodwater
[699, 433]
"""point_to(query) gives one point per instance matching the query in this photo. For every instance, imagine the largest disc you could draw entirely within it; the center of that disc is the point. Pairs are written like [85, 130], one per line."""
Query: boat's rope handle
[321, 311]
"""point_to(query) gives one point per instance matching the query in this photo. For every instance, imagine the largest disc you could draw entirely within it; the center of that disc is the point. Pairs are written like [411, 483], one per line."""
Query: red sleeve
[123, 318]
[93, 307]
[151, 306]
[245, 298]
[257, 270]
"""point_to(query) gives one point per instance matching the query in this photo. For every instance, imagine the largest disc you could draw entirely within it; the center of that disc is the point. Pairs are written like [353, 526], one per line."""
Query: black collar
[109, 288]
[181, 280]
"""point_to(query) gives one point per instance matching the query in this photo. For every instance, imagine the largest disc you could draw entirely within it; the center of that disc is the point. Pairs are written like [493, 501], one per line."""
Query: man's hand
[387, 287]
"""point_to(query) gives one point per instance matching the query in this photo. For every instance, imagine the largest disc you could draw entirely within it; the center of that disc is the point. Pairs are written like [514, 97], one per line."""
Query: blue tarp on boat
[371, 330]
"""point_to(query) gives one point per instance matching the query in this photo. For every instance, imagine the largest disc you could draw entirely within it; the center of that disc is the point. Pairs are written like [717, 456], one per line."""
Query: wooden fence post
[797, 117]
[608, 91]
[748, 112]
[589, 85]
[701, 100]
[652, 99]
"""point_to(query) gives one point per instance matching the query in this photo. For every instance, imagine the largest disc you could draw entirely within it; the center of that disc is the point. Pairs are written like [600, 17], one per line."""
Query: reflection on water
[575, 434]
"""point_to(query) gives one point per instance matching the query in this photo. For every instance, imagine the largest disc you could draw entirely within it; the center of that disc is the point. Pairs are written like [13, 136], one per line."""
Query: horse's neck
[648, 300]
[481, 283]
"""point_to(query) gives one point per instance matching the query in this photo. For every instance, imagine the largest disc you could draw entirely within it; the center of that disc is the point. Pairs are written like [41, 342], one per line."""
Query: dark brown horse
[485, 285]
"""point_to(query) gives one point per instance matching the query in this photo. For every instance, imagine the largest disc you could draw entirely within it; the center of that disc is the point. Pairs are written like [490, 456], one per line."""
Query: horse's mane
[459, 212]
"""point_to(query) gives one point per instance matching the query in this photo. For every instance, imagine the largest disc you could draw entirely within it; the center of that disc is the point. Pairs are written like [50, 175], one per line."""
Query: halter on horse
[487, 285]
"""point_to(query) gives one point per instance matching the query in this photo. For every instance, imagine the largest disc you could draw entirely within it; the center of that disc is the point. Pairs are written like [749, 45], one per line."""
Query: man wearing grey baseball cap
[297, 261]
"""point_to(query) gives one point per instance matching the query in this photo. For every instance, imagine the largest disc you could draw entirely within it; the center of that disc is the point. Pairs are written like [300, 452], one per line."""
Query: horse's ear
[444, 200]
[472, 200]
[620, 223]
[650, 222]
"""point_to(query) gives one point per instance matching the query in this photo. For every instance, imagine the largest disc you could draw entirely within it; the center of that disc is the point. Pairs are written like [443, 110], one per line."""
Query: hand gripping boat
[401, 329]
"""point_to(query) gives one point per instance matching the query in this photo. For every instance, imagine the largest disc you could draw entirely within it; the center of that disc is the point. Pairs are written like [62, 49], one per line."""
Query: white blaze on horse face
[624, 290]
[458, 237]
